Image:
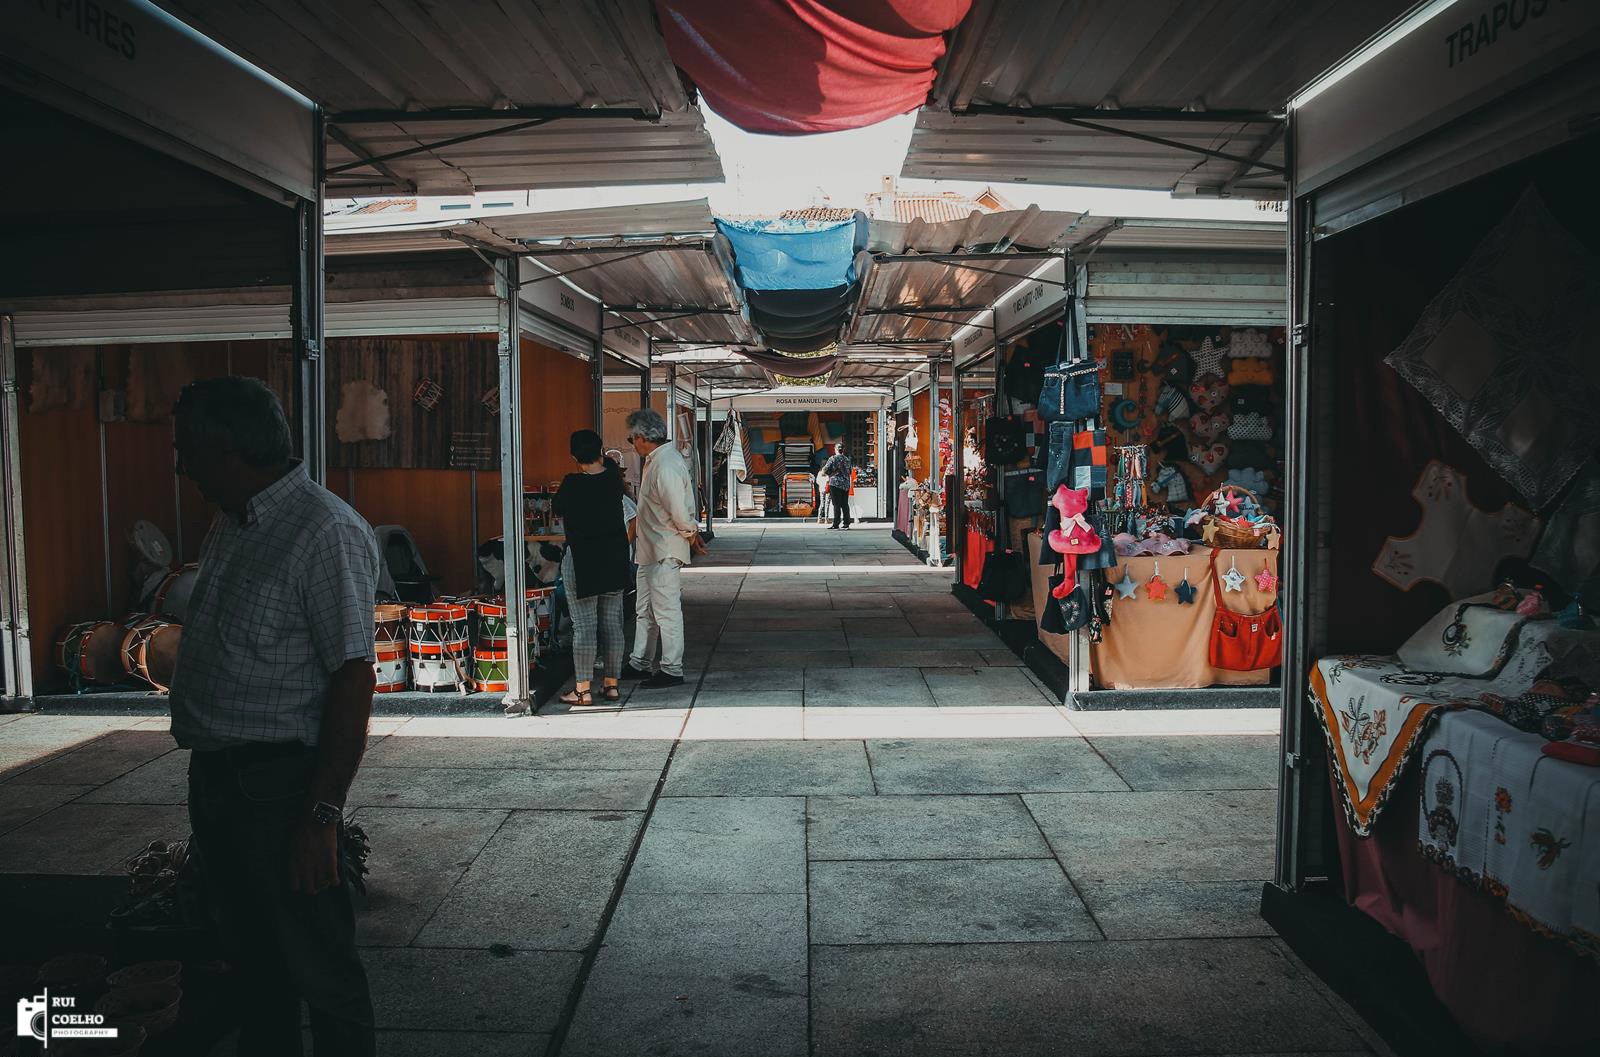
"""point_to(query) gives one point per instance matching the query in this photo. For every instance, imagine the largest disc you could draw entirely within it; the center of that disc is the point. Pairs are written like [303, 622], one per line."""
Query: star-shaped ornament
[1266, 580]
[1156, 588]
[1235, 501]
[1127, 585]
[1233, 579]
[1209, 532]
[1185, 591]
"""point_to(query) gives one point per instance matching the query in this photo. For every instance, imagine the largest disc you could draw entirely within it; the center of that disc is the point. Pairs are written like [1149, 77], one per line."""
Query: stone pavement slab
[866, 688]
[708, 976]
[1106, 999]
[460, 1044]
[745, 724]
[929, 658]
[100, 760]
[164, 780]
[729, 681]
[929, 766]
[468, 787]
[1169, 836]
[723, 846]
[769, 768]
[21, 803]
[418, 854]
[985, 688]
[469, 990]
[1176, 909]
[578, 754]
[945, 901]
[541, 883]
[923, 827]
[79, 838]
[1195, 761]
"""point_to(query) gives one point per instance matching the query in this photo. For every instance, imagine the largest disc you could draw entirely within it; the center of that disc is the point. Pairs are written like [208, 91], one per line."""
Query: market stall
[1442, 698]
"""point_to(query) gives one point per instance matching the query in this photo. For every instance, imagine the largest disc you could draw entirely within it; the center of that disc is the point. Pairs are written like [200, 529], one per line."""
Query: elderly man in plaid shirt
[272, 692]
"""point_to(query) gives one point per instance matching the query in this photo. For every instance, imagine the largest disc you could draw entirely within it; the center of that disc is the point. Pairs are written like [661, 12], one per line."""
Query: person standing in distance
[665, 534]
[272, 693]
[837, 470]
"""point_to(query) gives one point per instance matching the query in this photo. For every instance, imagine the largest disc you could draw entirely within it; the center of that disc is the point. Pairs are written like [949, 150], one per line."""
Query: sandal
[577, 698]
[613, 693]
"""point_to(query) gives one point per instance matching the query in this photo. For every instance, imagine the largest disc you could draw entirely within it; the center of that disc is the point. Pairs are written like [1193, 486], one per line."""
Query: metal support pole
[518, 698]
[672, 402]
[307, 321]
[14, 625]
[935, 471]
[597, 378]
[956, 524]
[1078, 649]
[644, 375]
[710, 462]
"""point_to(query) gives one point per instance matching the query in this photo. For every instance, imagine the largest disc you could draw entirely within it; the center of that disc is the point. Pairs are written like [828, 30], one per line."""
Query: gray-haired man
[272, 693]
[666, 532]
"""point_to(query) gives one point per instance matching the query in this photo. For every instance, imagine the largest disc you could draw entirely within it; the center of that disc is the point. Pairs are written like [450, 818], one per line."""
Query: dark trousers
[244, 805]
[840, 500]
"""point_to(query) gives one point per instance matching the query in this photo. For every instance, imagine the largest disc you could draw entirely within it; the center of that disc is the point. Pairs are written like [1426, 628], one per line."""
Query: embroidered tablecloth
[1523, 826]
[1374, 712]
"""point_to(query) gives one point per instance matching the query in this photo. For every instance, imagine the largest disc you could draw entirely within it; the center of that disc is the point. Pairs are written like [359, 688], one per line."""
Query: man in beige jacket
[666, 531]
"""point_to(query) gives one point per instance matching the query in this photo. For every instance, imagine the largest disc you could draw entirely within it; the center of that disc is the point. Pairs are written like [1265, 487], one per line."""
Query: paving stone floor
[861, 829]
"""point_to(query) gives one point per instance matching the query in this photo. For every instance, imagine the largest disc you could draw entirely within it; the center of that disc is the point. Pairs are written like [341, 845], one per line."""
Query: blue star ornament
[1127, 585]
[1186, 592]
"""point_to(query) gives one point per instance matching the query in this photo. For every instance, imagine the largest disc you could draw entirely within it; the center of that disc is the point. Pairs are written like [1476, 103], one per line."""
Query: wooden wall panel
[927, 429]
[434, 505]
[459, 433]
[557, 398]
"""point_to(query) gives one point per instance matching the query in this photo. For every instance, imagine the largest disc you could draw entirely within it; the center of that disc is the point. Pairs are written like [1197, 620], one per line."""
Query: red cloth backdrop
[799, 66]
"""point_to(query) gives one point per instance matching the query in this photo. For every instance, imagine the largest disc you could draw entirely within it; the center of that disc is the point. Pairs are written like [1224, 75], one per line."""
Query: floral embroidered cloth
[1374, 711]
[1522, 826]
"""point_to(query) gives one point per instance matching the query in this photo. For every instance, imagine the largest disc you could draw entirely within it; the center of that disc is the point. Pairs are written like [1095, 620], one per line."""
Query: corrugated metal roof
[1164, 55]
[1264, 236]
[394, 56]
[685, 285]
[816, 213]
[1041, 150]
[1032, 228]
[923, 299]
[353, 233]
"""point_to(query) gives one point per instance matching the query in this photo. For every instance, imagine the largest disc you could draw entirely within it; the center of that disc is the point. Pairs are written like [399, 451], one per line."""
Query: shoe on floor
[661, 680]
[630, 672]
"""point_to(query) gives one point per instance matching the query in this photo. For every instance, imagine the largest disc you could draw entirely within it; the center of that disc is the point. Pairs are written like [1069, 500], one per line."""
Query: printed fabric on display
[1090, 453]
[979, 547]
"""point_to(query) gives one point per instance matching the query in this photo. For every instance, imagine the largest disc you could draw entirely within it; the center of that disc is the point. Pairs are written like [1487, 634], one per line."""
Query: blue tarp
[795, 254]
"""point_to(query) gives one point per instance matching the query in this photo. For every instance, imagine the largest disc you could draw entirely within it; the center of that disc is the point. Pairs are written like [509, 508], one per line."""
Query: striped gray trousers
[597, 614]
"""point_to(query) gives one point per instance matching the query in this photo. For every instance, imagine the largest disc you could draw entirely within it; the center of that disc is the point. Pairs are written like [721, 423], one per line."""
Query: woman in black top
[594, 568]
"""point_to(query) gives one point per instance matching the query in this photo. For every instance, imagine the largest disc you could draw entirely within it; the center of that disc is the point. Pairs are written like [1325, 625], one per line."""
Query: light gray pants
[597, 615]
[658, 606]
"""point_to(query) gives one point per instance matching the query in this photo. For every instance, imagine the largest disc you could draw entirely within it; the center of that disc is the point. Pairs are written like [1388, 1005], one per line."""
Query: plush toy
[1072, 537]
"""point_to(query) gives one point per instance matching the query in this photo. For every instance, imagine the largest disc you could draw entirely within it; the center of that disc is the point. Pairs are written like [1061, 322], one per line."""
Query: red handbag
[1244, 642]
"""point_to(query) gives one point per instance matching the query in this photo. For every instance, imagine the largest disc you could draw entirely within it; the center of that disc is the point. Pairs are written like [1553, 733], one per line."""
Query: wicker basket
[1231, 536]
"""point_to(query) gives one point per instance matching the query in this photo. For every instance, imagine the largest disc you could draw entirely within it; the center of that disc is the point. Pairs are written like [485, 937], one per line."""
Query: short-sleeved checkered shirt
[283, 600]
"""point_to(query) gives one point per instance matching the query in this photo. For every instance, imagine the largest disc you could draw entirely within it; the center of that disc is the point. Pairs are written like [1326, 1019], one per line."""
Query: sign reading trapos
[802, 398]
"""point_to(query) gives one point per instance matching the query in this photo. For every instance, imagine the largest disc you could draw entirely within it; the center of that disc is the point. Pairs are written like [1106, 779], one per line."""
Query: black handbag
[1067, 614]
[1024, 493]
[1004, 441]
[1005, 576]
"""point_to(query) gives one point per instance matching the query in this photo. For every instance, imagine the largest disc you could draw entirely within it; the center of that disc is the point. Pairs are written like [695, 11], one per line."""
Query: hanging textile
[779, 254]
[799, 66]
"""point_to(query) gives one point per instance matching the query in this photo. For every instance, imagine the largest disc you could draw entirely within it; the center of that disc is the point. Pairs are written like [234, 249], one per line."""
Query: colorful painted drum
[171, 599]
[491, 623]
[436, 674]
[389, 642]
[150, 650]
[491, 671]
[91, 652]
[391, 673]
[438, 630]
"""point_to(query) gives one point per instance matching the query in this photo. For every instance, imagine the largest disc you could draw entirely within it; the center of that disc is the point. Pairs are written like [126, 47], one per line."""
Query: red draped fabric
[799, 66]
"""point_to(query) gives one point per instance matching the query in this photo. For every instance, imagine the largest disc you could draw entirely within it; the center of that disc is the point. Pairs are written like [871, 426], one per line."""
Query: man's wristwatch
[325, 814]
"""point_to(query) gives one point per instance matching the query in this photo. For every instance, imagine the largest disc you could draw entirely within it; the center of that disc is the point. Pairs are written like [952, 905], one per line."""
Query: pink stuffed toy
[1075, 535]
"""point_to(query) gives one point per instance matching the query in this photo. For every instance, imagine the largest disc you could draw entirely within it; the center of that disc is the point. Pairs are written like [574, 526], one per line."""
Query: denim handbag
[1071, 391]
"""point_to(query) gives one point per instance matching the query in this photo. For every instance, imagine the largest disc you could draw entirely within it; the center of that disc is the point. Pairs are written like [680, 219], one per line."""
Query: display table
[1152, 645]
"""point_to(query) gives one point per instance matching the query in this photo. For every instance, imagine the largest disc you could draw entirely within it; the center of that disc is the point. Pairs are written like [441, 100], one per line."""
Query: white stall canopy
[452, 98]
[1159, 95]
[139, 72]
